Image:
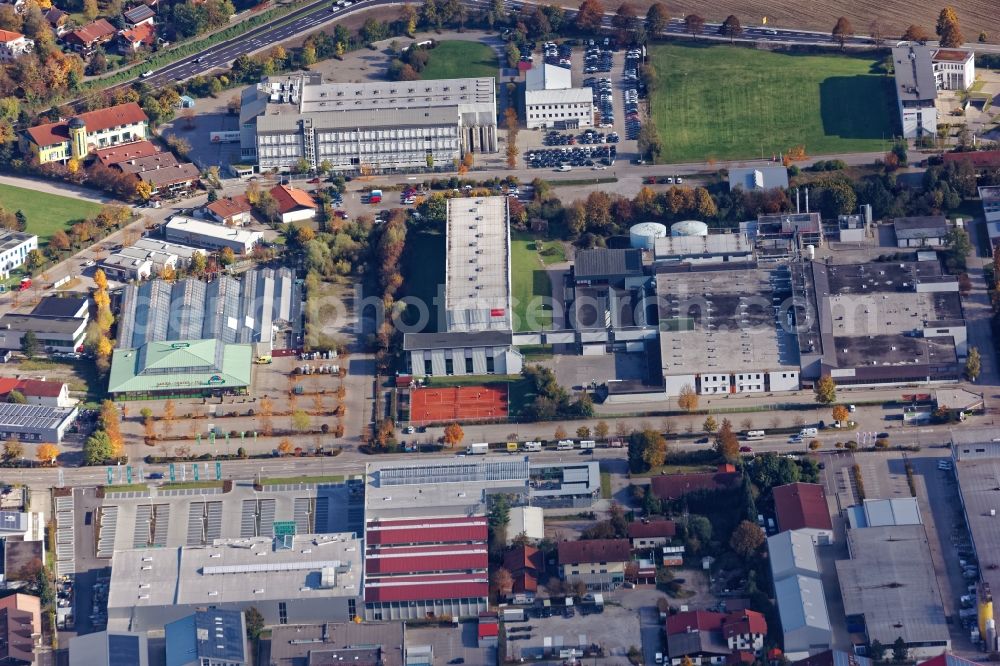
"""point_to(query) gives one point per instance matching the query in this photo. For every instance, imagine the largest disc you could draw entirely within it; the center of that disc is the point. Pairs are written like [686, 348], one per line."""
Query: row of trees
[13, 451]
[552, 401]
[106, 442]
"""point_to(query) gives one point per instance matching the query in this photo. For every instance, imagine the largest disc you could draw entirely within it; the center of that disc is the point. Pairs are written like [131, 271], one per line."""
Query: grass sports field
[458, 59]
[528, 281]
[727, 102]
[46, 213]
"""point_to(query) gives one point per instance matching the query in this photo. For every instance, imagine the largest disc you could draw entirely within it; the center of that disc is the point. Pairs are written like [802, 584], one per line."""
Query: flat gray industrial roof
[235, 570]
[457, 340]
[477, 277]
[351, 119]
[890, 580]
[721, 321]
[604, 263]
[699, 246]
[914, 72]
[11, 239]
[922, 226]
[978, 479]
[758, 177]
[292, 644]
[29, 322]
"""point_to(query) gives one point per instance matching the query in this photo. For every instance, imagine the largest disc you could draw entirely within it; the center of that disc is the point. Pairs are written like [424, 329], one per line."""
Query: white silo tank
[811, 252]
[689, 228]
[643, 235]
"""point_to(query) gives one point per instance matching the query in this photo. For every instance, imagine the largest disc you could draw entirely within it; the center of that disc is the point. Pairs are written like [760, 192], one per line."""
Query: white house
[294, 205]
[13, 45]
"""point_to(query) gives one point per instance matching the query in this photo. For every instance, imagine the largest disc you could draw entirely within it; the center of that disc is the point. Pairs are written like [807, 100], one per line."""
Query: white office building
[376, 126]
[921, 71]
[550, 100]
[14, 249]
[201, 234]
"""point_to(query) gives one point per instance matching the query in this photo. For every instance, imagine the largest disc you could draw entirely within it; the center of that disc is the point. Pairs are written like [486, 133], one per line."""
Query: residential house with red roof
[76, 137]
[675, 486]
[426, 567]
[37, 392]
[802, 506]
[294, 205]
[651, 534]
[231, 211]
[57, 18]
[139, 37]
[13, 45]
[707, 637]
[525, 564]
[600, 563]
[85, 40]
[125, 152]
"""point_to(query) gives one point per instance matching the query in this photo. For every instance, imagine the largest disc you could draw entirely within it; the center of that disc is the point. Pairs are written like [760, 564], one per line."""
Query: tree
[601, 430]
[840, 413]
[560, 433]
[657, 18]
[973, 364]
[590, 16]
[900, 652]
[826, 390]
[453, 434]
[842, 31]
[876, 31]
[90, 9]
[876, 651]
[731, 28]
[688, 399]
[501, 582]
[700, 528]
[624, 20]
[948, 31]
[254, 621]
[915, 33]
[301, 420]
[101, 280]
[47, 453]
[957, 248]
[583, 432]
[98, 448]
[727, 444]
[646, 449]
[694, 24]
[226, 256]
[285, 446]
[12, 449]
[17, 398]
[746, 539]
[59, 241]
[29, 344]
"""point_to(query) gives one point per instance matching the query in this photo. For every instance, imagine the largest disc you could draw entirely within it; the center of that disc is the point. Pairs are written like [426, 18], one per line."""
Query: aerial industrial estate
[474, 333]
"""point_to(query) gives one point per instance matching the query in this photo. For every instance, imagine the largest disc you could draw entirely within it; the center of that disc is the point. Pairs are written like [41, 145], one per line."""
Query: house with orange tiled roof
[13, 45]
[76, 137]
[294, 205]
[133, 39]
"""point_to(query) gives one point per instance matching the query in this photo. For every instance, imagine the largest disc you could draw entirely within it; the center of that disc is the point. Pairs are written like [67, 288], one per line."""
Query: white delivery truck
[478, 449]
[565, 445]
[588, 444]
[532, 446]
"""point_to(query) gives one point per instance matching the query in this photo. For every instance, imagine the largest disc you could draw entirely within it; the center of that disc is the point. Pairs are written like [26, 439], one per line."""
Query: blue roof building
[208, 638]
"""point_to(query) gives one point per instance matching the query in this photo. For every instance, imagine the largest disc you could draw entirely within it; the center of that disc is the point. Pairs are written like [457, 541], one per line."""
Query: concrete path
[58, 188]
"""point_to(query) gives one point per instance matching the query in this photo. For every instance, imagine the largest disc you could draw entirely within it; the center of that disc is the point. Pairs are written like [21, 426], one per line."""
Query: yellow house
[76, 137]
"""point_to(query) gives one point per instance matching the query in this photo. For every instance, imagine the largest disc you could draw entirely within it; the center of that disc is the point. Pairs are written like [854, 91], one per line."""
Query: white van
[565, 445]
[808, 432]
[754, 435]
[532, 446]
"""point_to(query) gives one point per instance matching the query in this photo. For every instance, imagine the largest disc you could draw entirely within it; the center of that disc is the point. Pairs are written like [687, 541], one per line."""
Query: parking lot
[452, 645]
[614, 631]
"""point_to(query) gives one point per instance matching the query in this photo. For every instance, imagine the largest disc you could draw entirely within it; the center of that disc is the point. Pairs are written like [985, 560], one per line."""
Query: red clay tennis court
[458, 403]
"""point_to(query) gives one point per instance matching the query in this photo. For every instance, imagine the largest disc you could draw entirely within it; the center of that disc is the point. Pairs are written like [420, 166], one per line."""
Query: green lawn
[458, 59]
[46, 213]
[529, 284]
[727, 102]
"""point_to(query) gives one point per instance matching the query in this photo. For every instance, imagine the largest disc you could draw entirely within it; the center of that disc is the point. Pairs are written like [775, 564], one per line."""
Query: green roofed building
[180, 368]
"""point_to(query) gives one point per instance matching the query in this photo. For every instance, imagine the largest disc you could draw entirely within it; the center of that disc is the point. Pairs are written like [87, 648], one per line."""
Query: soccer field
[457, 59]
[725, 102]
[46, 213]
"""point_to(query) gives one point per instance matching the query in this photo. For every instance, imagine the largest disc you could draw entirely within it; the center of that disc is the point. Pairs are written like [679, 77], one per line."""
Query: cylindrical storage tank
[811, 252]
[644, 234]
[689, 228]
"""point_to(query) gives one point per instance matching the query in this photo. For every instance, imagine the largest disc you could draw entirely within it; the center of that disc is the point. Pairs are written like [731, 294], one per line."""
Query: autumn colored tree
[842, 31]
[601, 430]
[47, 453]
[453, 434]
[916, 33]
[688, 399]
[590, 16]
[840, 413]
[583, 432]
[826, 390]
[694, 24]
[560, 433]
[746, 539]
[973, 364]
[731, 28]
[109, 420]
[501, 582]
[101, 280]
[285, 446]
[948, 31]
[12, 449]
[59, 241]
[726, 442]
[710, 424]
[876, 30]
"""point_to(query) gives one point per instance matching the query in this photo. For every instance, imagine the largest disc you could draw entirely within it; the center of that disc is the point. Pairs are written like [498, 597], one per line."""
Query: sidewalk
[58, 188]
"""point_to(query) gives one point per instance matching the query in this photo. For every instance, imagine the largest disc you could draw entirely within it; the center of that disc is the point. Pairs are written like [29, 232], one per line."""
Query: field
[728, 102]
[895, 15]
[458, 59]
[46, 213]
[529, 281]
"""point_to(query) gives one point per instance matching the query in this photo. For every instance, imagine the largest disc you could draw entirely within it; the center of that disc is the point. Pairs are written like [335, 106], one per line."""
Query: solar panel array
[506, 470]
